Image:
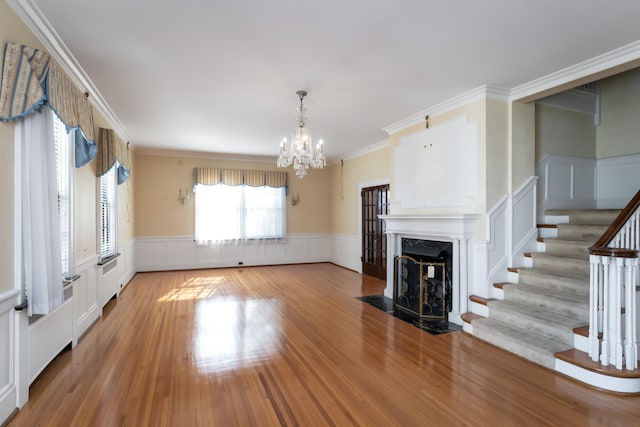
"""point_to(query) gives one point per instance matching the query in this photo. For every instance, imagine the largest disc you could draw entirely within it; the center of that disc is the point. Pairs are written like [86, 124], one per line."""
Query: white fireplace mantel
[458, 228]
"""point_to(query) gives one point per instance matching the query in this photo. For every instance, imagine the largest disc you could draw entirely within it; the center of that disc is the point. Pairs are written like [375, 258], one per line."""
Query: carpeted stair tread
[573, 305]
[532, 346]
[551, 280]
[562, 266]
[587, 216]
[567, 248]
[583, 232]
[535, 319]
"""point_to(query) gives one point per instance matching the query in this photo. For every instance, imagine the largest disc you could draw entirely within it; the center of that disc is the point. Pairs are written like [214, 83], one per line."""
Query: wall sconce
[295, 199]
[183, 199]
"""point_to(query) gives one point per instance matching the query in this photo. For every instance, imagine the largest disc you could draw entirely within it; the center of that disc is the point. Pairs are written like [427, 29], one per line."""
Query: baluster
[631, 338]
[617, 289]
[604, 357]
[594, 318]
[636, 232]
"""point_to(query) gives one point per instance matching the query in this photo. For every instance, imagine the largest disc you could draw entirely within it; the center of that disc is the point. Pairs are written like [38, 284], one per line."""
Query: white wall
[424, 161]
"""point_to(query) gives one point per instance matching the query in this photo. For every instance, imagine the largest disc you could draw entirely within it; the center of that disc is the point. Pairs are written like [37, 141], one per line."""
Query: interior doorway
[375, 201]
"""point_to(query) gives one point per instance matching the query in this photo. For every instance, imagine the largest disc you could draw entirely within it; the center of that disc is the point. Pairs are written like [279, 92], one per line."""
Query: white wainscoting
[181, 252]
[108, 281]
[579, 183]
[497, 247]
[618, 181]
[48, 336]
[86, 309]
[524, 231]
[127, 262]
[478, 255]
[566, 183]
[511, 231]
[8, 382]
[346, 251]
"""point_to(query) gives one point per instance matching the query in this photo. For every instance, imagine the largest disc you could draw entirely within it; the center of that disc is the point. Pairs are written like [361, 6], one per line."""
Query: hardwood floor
[290, 345]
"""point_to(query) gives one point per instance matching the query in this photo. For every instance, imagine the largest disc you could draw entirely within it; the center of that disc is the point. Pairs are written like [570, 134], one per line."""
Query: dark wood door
[375, 201]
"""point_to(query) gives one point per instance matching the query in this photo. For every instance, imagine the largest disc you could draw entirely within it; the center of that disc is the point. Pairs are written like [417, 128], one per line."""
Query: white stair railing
[613, 291]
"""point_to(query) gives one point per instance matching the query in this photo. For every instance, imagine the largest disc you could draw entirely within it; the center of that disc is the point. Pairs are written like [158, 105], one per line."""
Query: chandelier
[301, 152]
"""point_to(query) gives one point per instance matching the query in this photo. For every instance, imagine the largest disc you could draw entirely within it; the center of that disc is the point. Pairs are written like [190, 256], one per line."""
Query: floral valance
[31, 79]
[112, 150]
[233, 177]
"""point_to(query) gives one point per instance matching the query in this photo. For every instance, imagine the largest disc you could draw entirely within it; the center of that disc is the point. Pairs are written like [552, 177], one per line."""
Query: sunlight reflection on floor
[231, 332]
[194, 288]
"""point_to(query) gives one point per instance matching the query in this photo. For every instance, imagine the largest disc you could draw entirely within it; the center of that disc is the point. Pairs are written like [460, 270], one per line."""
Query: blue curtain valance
[30, 79]
[112, 151]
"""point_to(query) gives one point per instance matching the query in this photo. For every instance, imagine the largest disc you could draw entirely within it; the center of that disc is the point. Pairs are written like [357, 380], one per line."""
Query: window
[64, 179]
[241, 212]
[108, 213]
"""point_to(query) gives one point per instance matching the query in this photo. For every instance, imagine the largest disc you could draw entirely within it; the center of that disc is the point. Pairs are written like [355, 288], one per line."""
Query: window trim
[110, 174]
[68, 139]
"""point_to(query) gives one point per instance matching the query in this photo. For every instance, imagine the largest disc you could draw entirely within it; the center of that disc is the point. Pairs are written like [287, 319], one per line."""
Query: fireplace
[422, 279]
[449, 234]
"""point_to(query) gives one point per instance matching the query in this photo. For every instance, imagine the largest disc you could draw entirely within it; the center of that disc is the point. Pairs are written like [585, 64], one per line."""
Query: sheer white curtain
[236, 213]
[41, 254]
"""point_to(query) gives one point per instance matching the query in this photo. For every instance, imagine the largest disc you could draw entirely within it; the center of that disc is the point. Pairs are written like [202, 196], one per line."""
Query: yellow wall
[496, 168]
[159, 179]
[522, 146]
[619, 131]
[564, 133]
[347, 178]
[11, 30]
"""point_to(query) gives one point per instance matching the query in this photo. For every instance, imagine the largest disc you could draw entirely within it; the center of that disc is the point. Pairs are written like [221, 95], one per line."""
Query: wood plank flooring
[290, 345]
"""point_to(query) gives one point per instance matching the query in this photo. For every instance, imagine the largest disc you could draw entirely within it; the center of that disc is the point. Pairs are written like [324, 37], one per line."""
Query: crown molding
[366, 150]
[35, 20]
[625, 55]
[482, 92]
[577, 100]
[151, 151]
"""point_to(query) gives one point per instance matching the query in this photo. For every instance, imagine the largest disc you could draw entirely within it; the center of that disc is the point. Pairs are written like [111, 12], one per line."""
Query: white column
[464, 279]
[392, 251]
[456, 294]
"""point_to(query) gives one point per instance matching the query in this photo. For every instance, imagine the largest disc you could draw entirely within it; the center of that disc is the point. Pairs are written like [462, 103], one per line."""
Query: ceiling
[220, 76]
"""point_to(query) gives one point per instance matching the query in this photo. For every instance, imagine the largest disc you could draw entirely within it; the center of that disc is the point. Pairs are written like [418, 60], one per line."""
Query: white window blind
[64, 178]
[108, 213]
[227, 213]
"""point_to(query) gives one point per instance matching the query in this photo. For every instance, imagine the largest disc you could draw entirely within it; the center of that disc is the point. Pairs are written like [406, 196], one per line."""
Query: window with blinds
[228, 213]
[64, 178]
[108, 214]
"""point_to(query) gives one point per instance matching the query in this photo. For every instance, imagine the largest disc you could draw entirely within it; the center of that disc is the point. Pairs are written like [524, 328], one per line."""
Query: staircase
[546, 300]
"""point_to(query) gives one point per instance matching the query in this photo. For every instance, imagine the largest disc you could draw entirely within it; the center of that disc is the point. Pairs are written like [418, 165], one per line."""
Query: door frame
[361, 186]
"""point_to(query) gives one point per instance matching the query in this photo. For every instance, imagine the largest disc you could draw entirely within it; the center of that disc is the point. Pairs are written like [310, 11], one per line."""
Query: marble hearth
[457, 229]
